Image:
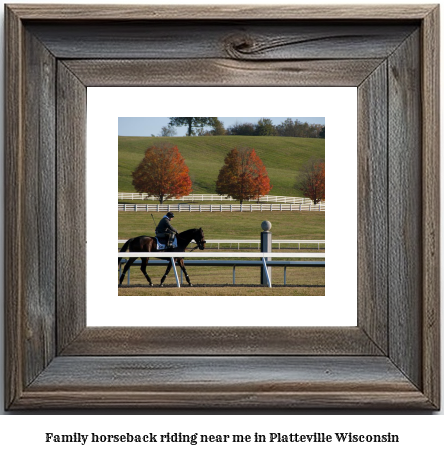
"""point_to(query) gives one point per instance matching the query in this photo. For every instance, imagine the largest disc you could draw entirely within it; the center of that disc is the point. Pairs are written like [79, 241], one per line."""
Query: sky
[147, 126]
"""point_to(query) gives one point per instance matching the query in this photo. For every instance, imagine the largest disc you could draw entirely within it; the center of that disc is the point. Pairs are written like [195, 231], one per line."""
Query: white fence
[264, 256]
[256, 242]
[212, 197]
[218, 255]
[128, 207]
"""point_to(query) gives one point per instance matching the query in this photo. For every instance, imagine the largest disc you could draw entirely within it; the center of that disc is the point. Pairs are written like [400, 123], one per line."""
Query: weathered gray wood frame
[390, 360]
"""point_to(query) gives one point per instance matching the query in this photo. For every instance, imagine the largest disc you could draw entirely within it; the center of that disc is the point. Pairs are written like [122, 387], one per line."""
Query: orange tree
[311, 180]
[162, 173]
[243, 176]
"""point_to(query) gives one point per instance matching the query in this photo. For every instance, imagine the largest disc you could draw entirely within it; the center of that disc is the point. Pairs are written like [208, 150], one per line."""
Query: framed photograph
[298, 226]
[56, 359]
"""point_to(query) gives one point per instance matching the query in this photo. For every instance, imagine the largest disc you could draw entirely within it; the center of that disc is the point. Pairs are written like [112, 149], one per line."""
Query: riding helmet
[170, 215]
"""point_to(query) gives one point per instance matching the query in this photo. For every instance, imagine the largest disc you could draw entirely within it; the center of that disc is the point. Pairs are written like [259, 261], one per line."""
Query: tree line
[163, 173]
[196, 126]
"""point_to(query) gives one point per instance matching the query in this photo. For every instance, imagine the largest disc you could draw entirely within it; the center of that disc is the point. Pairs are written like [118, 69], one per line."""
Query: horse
[149, 244]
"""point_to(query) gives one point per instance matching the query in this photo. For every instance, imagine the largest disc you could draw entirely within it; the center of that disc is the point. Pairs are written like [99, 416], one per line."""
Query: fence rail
[213, 197]
[231, 263]
[264, 256]
[263, 207]
[255, 241]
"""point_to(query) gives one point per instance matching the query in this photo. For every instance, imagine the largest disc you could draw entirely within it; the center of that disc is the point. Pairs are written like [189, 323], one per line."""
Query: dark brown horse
[149, 244]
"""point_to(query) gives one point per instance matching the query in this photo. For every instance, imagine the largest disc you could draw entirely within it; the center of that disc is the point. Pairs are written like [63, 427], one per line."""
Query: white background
[336, 308]
[22, 434]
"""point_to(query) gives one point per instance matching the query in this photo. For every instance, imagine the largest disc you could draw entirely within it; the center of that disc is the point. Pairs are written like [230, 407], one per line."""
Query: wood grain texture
[38, 230]
[373, 197]
[431, 202]
[203, 372]
[71, 206]
[220, 12]
[95, 341]
[245, 40]
[13, 207]
[233, 382]
[405, 209]
[219, 72]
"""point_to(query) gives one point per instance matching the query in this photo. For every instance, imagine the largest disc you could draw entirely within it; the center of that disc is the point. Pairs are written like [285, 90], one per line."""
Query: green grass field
[218, 280]
[204, 156]
[237, 225]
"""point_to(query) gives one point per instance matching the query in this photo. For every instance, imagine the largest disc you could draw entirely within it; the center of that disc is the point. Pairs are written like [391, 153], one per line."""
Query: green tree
[218, 129]
[244, 129]
[265, 127]
[192, 122]
[168, 131]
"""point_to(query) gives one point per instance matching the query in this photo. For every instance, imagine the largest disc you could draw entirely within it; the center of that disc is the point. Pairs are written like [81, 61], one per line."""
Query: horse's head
[199, 237]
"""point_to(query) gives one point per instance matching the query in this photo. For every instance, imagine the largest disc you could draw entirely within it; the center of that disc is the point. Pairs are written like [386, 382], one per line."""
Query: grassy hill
[204, 156]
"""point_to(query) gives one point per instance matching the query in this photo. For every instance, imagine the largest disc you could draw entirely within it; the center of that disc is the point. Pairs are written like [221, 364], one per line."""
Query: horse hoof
[191, 284]
[151, 285]
[161, 285]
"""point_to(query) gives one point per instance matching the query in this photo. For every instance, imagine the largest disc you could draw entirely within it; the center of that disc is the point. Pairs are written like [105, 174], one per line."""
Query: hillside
[204, 155]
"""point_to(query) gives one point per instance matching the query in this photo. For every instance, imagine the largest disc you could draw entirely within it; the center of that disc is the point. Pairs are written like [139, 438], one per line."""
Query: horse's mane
[190, 231]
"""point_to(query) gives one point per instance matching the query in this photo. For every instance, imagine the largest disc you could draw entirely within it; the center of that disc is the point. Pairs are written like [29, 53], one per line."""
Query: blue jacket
[164, 227]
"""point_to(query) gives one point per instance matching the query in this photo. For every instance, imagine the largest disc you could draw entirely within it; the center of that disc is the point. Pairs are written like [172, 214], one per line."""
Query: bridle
[200, 245]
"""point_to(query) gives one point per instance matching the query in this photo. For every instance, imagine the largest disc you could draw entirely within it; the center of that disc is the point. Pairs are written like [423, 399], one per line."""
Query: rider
[165, 230]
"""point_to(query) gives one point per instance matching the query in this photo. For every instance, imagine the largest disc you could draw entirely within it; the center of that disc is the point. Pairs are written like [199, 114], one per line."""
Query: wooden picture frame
[390, 360]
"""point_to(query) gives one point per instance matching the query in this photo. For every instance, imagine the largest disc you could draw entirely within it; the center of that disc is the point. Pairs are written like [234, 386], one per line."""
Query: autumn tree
[162, 173]
[192, 122]
[311, 180]
[243, 176]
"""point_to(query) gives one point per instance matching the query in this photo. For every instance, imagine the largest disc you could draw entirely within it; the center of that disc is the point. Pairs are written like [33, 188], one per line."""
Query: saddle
[163, 246]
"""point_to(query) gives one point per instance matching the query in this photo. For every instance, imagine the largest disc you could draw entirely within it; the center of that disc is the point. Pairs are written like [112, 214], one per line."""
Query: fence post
[266, 246]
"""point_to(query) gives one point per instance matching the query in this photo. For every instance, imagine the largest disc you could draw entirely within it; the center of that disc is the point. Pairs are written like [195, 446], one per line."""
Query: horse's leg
[168, 269]
[143, 269]
[127, 266]
[182, 266]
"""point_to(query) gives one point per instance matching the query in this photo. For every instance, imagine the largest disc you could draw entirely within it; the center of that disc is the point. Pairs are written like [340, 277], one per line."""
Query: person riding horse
[165, 231]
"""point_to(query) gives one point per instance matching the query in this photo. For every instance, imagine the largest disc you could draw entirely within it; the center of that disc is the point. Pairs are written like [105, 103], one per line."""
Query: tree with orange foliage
[243, 176]
[311, 180]
[162, 173]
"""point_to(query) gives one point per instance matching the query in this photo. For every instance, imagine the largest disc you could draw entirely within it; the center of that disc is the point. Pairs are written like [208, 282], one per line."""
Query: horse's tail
[124, 248]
